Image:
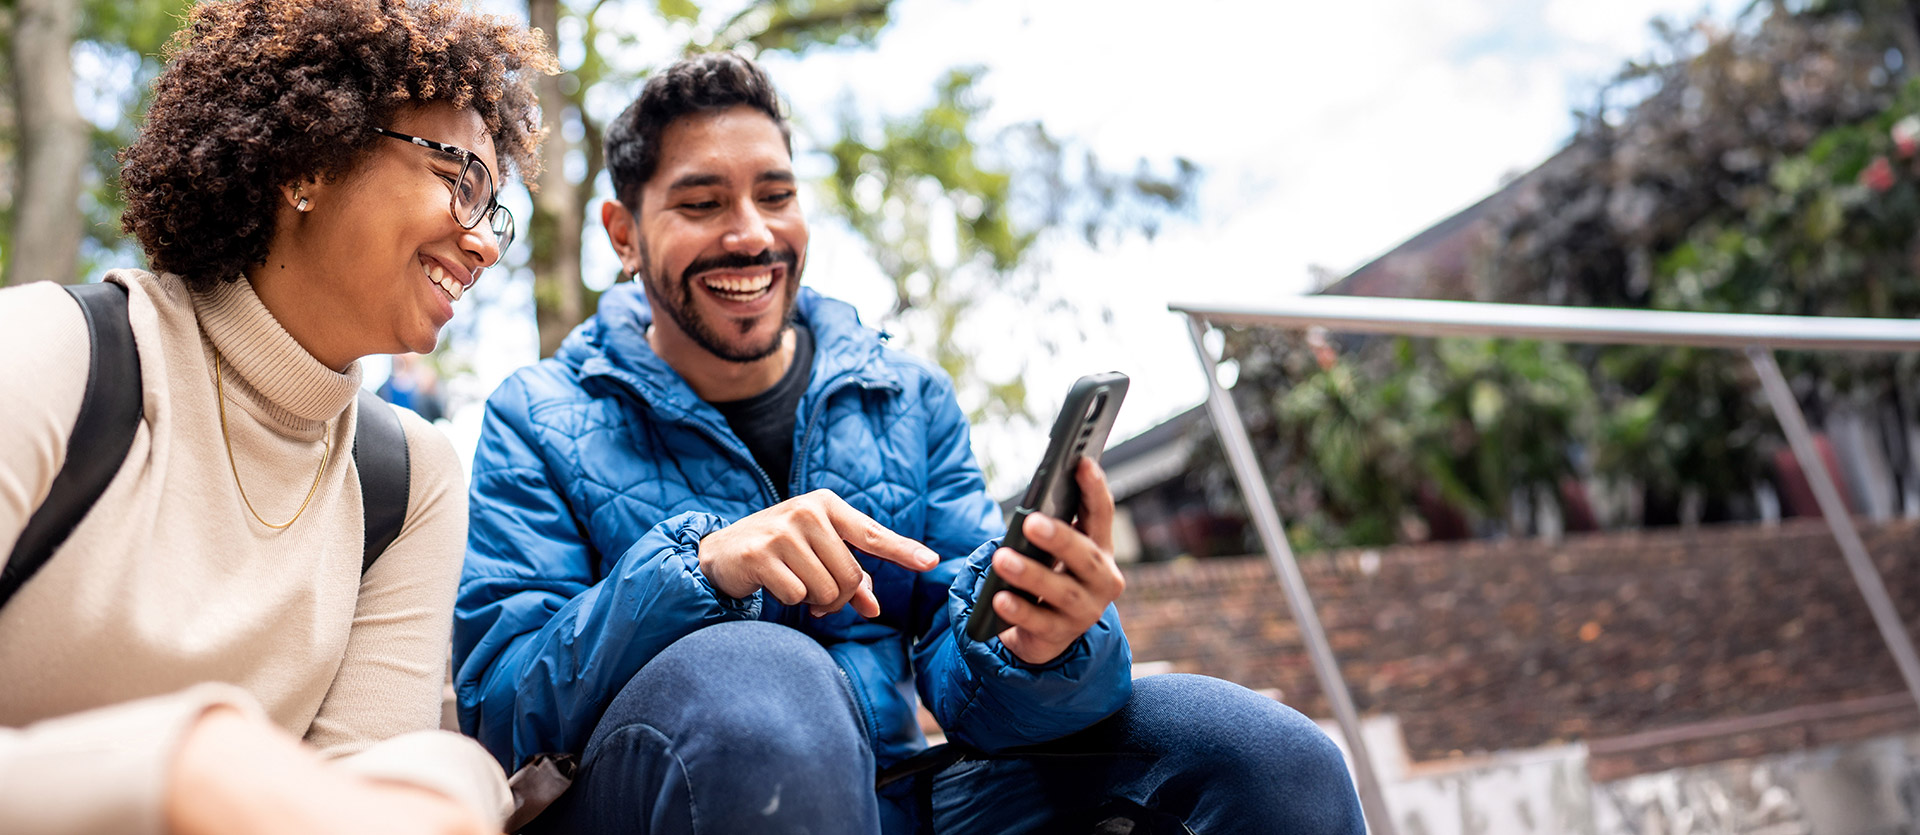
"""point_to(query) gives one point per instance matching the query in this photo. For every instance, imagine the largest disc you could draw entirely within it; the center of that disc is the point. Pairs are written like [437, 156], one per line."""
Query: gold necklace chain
[220, 394]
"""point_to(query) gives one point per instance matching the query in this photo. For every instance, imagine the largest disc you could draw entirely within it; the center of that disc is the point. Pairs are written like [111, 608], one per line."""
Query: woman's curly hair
[260, 94]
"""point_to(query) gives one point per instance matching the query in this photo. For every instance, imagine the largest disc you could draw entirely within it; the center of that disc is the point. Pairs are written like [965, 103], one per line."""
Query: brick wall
[1484, 646]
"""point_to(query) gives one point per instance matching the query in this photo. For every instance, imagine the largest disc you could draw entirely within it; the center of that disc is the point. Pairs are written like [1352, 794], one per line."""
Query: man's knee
[752, 681]
[739, 725]
[1244, 745]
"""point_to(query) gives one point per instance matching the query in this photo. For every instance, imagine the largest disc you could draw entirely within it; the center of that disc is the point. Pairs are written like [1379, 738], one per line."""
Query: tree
[124, 41]
[1771, 167]
[1001, 194]
[897, 181]
[52, 143]
[1374, 441]
[1712, 121]
[1745, 181]
[586, 32]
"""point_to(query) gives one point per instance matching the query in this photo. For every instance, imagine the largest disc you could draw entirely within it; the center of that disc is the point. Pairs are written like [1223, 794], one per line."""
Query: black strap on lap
[932, 759]
[110, 414]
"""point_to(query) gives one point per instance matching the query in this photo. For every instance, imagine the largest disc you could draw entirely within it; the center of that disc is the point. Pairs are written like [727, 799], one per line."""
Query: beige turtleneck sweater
[170, 598]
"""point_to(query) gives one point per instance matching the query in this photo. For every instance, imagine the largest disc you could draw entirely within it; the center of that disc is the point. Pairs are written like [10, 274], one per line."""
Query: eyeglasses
[471, 197]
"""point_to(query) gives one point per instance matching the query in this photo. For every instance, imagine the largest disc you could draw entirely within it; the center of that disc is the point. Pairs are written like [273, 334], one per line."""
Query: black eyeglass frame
[491, 210]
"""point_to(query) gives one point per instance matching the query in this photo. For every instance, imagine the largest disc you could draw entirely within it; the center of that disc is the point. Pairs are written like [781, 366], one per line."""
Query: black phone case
[1080, 430]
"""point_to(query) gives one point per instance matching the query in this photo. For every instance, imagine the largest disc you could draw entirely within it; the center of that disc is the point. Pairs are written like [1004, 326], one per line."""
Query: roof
[1153, 456]
[1434, 264]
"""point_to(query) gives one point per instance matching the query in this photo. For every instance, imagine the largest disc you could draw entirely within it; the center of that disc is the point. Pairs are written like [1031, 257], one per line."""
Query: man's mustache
[737, 261]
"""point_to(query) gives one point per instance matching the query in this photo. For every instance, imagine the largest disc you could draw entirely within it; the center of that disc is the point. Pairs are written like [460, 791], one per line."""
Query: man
[717, 538]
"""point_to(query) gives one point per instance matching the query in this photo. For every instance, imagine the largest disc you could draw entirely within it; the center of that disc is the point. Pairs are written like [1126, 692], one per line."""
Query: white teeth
[740, 286]
[447, 283]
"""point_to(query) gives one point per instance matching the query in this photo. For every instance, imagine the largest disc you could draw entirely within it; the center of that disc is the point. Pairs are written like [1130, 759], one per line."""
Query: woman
[315, 182]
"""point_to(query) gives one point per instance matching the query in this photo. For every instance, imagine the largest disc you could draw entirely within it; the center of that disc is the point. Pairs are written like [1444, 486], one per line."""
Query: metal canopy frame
[1758, 335]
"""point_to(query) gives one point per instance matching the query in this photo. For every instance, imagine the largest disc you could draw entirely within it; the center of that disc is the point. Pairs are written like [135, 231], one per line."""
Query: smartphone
[1080, 431]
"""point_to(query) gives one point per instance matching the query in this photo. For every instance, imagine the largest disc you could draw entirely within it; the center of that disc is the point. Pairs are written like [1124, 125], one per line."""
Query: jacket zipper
[766, 481]
[773, 494]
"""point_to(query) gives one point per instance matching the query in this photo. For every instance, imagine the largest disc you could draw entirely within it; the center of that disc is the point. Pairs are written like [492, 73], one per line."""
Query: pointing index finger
[860, 531]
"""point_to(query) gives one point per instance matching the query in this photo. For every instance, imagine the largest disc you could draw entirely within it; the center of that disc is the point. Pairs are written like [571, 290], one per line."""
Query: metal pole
[1421, 317]
[1787, 410]
[1266, 518]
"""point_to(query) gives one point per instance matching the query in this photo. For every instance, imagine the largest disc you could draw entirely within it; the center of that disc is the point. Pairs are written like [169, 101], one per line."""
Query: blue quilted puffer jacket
[598, 472]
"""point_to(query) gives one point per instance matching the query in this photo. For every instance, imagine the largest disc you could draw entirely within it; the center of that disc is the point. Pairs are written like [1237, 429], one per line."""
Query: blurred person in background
[206, 652]
[413, 384]
[723, 534]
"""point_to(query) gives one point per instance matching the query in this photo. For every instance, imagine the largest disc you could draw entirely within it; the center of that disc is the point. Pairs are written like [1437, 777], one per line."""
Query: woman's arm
[237, 774]
[390, 682]
[203, 761]
[44, 339]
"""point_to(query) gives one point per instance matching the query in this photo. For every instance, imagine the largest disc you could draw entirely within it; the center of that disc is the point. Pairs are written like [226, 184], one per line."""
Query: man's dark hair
[714, 81]
[259, 94]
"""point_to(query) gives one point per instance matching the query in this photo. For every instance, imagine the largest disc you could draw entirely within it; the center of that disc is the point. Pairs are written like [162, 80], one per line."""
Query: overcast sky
[1329, 132]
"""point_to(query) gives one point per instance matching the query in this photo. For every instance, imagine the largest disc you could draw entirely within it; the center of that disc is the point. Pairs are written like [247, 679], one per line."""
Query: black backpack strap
[110, 414]
[380, 454]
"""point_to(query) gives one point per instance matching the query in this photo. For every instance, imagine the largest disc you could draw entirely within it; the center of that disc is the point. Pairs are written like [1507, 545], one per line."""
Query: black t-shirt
[765, 420]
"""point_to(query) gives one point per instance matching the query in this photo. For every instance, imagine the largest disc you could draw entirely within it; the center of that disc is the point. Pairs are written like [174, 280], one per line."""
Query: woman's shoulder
[40, 300]
[44, 338]
[430, 453]
[434, 524]
[433, 466]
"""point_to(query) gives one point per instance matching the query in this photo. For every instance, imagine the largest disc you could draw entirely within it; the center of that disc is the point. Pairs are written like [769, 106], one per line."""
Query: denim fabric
[740, 727]
[1186, 750]
[749, 727]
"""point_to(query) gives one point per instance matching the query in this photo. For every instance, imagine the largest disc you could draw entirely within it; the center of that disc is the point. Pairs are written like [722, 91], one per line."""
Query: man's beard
[680, 307]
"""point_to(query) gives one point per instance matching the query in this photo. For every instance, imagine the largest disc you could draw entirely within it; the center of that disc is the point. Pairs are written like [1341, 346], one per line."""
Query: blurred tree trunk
[53, 144]
[559, 204]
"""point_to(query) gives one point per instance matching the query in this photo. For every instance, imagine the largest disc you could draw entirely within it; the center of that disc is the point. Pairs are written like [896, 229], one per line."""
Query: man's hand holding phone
[800, 551]
[1075, 590]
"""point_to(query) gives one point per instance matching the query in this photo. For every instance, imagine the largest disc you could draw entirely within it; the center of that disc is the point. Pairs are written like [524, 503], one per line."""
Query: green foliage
[928, 175]
[923, 171]
[1834, 232]
[684, 11]
[1356, 441]
[127, 37]
[1760, 175]
[142, 28]
[799, 25]
[1368, 444]
[904, 183]
[1756, 169]
[901, 182]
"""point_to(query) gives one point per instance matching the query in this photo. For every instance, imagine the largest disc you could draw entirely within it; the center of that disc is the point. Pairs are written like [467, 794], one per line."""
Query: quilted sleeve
[980, 693]
[960, 513]
[541, 644]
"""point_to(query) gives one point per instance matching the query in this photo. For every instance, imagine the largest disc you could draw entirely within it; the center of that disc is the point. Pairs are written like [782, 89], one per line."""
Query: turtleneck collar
[284, 381]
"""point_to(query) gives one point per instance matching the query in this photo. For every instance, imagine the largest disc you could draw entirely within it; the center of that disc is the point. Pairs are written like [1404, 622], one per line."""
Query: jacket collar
[613, 344]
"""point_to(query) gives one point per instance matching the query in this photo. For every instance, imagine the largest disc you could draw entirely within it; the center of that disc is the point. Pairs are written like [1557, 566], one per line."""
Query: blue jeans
[751, 728]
